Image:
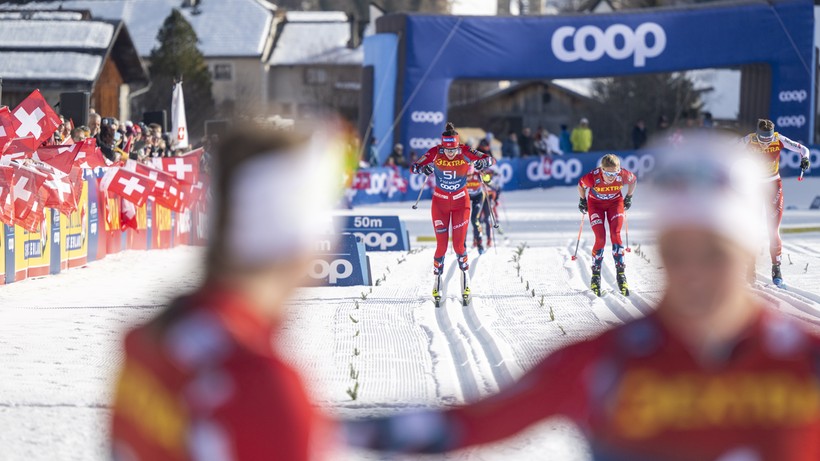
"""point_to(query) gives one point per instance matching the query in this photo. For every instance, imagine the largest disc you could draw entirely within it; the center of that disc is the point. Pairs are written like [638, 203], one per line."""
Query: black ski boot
[595, 282]
[438, 269]
[777, 276]
[622, 285]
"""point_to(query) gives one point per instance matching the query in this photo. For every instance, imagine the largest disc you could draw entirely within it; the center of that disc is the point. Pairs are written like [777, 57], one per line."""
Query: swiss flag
[128, 215]
[34, 118]
[60, 157]
[58, 191]
[185, 169]
[90, 155]
[18, 149]
[196, 153]
[28, 208]
[167, 190]
[6, 128]
[6, 198]
[130, 186]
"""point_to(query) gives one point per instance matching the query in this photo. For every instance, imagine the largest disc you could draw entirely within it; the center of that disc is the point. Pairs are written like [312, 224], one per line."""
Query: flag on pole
[179, 127]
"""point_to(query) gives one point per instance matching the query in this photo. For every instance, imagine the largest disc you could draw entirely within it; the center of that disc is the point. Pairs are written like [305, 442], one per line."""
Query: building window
[223, 72]
[314, 76]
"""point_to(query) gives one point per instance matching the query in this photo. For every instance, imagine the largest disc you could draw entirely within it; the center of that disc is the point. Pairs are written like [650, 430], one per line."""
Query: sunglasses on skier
[611, 174]
[452, 151]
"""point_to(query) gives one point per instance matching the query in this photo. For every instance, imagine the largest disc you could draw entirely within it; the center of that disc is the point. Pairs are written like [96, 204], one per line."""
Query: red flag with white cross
[167, 190]
[60, 157]
[17, 149]
[130, 186]
[26, 200]
[6, 184]
[184, 169]
[57, 191]
[90, 156]
[6, 128]
[34, 118]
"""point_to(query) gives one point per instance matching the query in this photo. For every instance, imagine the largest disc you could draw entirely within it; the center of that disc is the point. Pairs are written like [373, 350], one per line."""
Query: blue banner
[533, 172]
[56, 256]
[435, 50]
[378, 233]
[341, 262]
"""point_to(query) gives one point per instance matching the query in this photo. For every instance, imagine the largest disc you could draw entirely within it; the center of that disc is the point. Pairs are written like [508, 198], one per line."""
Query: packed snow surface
[60, 335]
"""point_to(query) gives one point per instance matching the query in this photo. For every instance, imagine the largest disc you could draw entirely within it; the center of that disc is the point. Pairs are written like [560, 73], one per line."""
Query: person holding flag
[768, 144]
[450, 161]
[606, 203]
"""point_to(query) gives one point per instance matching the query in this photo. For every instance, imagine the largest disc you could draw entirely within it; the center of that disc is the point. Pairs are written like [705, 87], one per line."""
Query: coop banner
[378, 233]
[375, 185]
[341, 261]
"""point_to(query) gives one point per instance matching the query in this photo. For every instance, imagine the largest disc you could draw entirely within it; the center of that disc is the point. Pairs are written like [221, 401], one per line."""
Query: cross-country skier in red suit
[450, 161]
[606, 203]
[713, 374]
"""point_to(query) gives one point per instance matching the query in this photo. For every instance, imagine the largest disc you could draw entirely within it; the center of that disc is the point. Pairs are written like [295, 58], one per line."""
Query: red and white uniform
[204, 382]
[606, 204]
[773, 184]
[638, 393]
[451, 203]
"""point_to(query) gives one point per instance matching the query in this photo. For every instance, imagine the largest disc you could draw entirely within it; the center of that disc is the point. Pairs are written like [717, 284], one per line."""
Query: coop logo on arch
[423, 143]
[590, 43]
[427, 117]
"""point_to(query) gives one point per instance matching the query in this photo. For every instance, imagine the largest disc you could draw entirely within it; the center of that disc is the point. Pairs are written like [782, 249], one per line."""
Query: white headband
[279, 204]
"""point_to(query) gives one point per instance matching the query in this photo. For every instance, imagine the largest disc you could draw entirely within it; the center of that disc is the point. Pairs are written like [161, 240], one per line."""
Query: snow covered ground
[59, 336]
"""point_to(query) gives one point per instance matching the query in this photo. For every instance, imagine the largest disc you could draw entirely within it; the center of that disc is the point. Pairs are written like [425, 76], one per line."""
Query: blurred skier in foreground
[202, 380]
[768, 144]
[712, 375]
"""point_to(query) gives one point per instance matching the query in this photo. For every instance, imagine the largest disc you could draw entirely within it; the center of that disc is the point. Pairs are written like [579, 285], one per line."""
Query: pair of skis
[595, 284]
[466, 297]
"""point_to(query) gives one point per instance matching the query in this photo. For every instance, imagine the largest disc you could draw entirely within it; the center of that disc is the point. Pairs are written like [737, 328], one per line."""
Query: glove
[422, 169]
[627, 202]
[805, 164]
[481, 163]
[582, 205]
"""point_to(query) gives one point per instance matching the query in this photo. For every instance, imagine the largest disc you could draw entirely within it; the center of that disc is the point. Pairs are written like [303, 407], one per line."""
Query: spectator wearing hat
[581, 137]
[398, 156]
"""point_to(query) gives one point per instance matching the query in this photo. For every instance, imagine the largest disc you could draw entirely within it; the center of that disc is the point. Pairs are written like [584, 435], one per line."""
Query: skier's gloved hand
[805, 163]
[482, 163]
[427, 169]
[422, 169]
[582, 205]
[627, 202]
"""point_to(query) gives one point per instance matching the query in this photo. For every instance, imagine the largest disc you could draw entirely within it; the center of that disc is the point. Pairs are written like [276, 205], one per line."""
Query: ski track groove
[492, 352]
[461, 360]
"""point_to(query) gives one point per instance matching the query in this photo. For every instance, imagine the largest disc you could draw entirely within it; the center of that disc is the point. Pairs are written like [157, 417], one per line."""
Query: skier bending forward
[450, 161]
[607, 203]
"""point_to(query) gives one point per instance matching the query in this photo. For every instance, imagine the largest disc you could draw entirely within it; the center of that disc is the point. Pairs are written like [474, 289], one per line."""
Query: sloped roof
[308, 37]
[235, 28]
[69, 50]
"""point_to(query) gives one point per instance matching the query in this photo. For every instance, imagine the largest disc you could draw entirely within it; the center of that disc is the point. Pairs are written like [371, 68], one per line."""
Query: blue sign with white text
[378, 233]
[341, 261]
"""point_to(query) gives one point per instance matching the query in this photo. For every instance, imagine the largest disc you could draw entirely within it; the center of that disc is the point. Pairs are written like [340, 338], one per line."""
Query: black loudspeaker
[74, 106]
[160, 117]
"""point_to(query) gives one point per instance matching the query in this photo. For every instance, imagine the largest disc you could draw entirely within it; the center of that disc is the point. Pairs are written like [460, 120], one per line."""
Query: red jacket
[600, 191]
[207, 380]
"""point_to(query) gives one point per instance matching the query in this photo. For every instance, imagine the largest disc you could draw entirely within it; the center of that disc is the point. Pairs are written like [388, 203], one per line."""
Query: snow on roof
[323, 42]
[63, 15]
[224, 28]
[316, 16]
[26, 34]
[58, 65]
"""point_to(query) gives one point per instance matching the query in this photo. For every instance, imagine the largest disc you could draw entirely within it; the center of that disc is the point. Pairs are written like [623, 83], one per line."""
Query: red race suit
[639, 394]
[202, 381]
[451, 203]
[606, 204]
[771, 151]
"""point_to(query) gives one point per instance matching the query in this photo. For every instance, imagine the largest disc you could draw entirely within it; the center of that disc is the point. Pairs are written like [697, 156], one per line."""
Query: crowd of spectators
[120, 141]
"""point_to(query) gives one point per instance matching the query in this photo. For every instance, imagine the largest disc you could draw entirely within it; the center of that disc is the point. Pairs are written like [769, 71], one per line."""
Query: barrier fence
[92, 232]
[376, 185]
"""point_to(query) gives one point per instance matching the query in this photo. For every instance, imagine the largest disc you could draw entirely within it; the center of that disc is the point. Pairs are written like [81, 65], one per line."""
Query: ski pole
[421, 191]
[580, 229]
[626, 226]
[489, 205]
[800, 178]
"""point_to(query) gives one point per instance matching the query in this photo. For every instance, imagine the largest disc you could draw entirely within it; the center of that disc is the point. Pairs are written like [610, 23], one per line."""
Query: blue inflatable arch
[415, 58]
